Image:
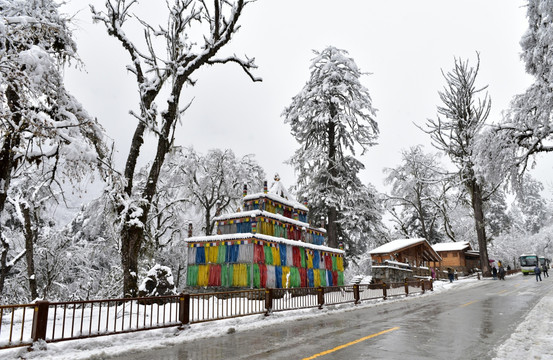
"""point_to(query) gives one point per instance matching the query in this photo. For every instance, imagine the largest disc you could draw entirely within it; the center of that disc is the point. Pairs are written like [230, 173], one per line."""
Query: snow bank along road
[468, 321]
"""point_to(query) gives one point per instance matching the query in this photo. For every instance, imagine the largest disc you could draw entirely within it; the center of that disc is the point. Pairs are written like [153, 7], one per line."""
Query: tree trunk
[29, 254]
[11, 140]
[132, 233]
[332, 212]
[131, 242]
[332, 228]
[479, 223]
[208, 222]
[420, 210]
[3, 263]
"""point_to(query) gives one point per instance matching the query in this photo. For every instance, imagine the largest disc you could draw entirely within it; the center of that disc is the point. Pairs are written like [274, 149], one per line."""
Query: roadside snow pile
[532, 338]
[158, 282]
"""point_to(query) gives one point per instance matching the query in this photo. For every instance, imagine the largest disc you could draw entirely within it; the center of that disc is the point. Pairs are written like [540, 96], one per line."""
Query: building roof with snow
[274, 213]
[249, 236]
[278, 192]
[452, 246]
[415, 251]
[396, 245]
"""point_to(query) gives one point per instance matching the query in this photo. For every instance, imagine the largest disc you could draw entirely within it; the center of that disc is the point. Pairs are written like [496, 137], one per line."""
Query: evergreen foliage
[332, 117]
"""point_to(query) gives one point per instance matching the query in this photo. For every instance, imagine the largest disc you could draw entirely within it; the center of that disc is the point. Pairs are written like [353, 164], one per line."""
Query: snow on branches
[334, 94]
[331, 117]
[528, 122]
[40, 119]
[191, 38]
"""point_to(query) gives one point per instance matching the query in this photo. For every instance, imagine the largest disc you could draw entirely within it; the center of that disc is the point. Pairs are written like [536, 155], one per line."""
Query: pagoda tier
[261, 261]
[276, 205]
[268, 223]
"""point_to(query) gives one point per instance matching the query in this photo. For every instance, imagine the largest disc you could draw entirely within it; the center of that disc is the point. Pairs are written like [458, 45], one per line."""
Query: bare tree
[215, 23]
[455, 131]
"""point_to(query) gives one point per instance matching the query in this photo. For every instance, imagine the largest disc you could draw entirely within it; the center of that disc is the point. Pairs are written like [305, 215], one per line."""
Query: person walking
[450, 274]
[544, 271]
[494, 272]
[537, 271]
[501, 273]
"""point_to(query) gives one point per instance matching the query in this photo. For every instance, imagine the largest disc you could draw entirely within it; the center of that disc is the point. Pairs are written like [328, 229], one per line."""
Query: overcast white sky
[403, 44]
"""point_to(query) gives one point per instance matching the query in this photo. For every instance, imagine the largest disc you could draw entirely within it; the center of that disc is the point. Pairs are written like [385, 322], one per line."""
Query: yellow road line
[507, 292]
[467, 304]
[350, 343]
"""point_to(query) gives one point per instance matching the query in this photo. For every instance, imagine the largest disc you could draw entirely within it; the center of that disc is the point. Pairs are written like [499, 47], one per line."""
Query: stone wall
[390, 274]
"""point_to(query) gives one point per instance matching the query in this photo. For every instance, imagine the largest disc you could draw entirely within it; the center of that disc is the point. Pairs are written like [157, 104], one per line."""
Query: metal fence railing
[21, 325]
[339, 295]
[82, 319]
[295, 298]
[224, 305]
[16, 323]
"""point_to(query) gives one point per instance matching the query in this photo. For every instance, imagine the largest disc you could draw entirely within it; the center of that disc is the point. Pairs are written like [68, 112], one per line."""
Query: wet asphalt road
[462, 323]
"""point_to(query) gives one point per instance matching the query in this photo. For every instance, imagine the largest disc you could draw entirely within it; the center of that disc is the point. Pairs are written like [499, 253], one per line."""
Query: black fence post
[184, 309]
[384, 292]
[268, 301]
[40, 320]
[406, 288]
[356, 293]
[321, 296]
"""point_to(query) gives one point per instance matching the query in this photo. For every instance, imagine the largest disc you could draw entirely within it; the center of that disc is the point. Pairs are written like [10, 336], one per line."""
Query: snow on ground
[531, 340]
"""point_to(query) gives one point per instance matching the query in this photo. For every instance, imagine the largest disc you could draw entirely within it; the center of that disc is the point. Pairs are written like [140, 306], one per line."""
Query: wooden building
[403, 258]
[457, 255]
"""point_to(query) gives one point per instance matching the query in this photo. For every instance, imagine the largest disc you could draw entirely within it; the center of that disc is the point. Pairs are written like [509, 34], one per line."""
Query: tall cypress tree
[331, 117]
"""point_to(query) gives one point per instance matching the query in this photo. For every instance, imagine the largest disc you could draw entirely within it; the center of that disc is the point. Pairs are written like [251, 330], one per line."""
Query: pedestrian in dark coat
[544, 270]
[501, 273]
[450, 274]
[494, 272]
[537, 271]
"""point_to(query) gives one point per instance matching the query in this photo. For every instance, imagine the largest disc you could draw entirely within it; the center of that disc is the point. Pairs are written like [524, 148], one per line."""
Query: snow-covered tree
[171, 54]
[361, 228]
[528, 125]
[80, 261]
[510, 245]
[193, 188]
[214, 182]
[43, 129]
[416, 192]
[331, 117]
[532, 205]
[76, 262]
[496, 213]
[455, 131]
